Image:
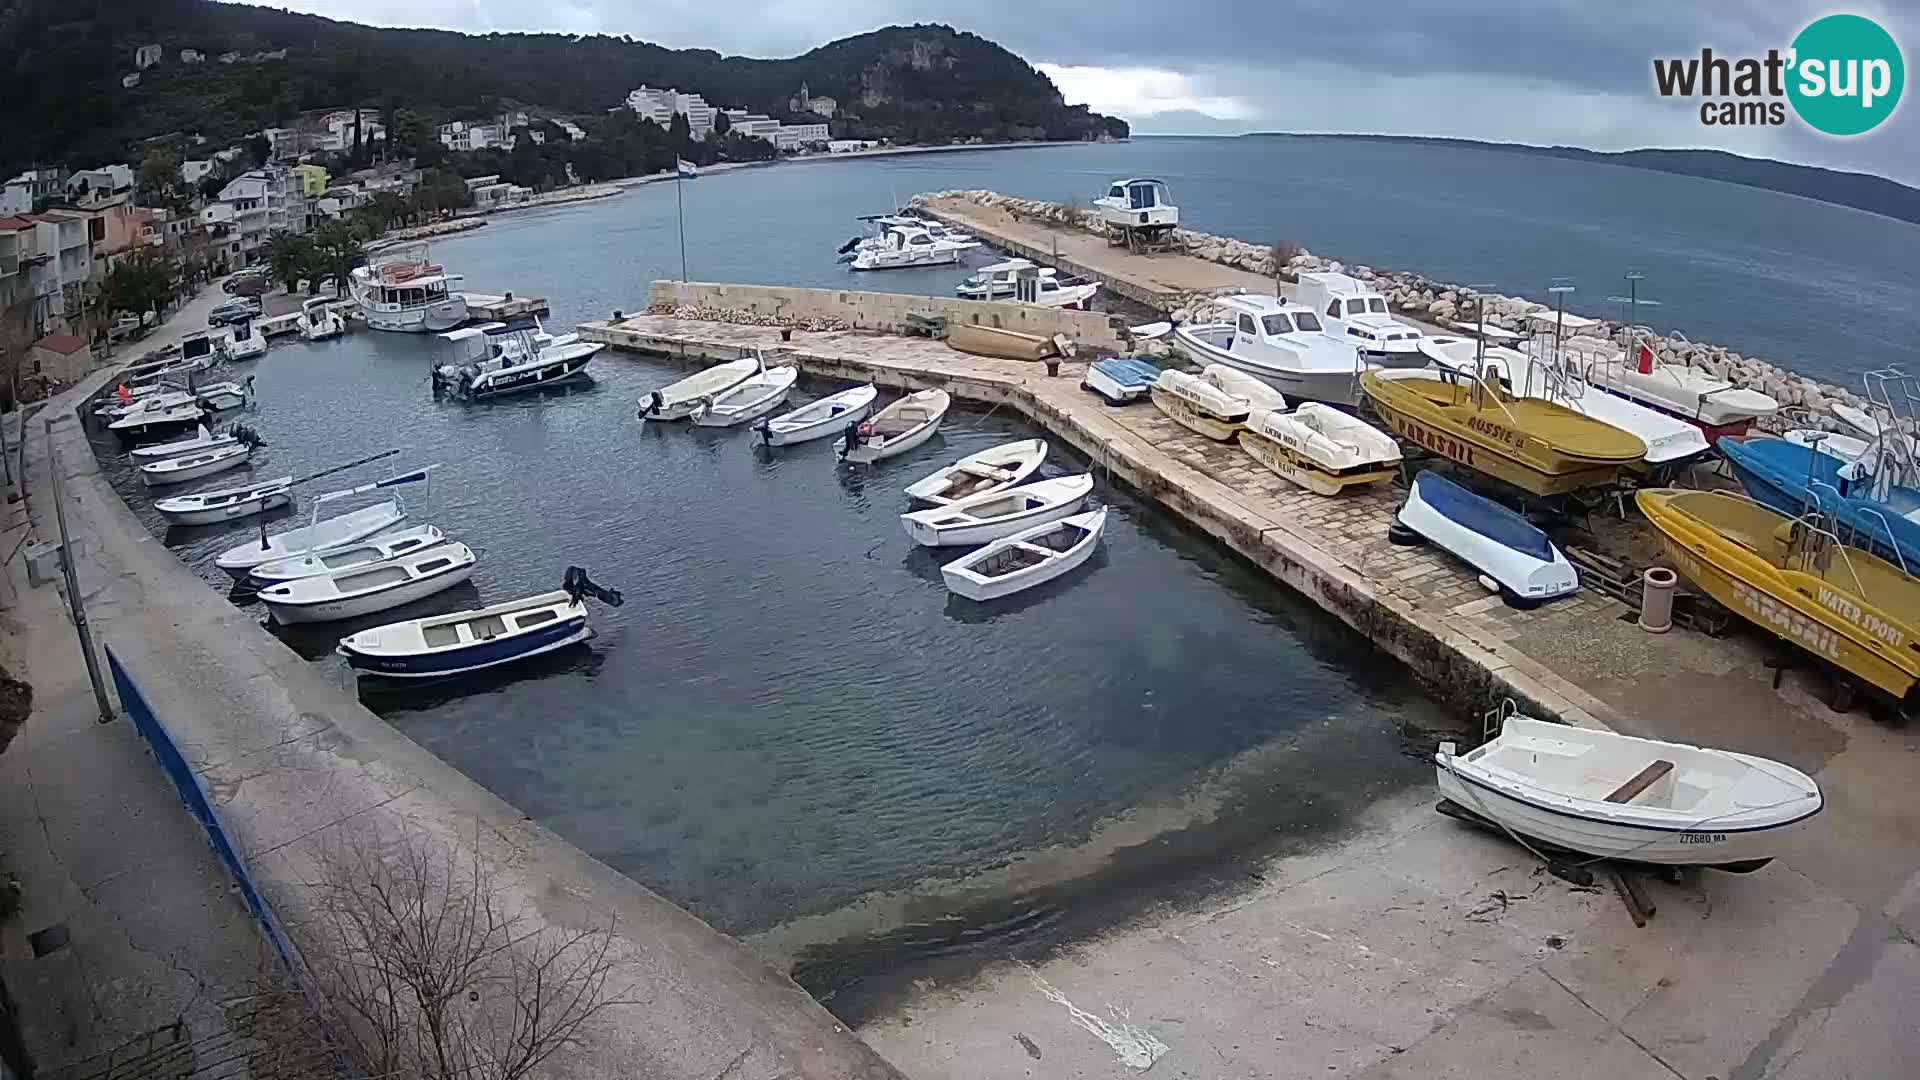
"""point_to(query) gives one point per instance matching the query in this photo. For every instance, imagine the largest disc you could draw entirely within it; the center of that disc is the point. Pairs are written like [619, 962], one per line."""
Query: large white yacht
[400, 290]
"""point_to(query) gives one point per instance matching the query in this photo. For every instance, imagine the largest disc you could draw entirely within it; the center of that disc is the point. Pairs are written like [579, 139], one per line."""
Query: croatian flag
[685, 168]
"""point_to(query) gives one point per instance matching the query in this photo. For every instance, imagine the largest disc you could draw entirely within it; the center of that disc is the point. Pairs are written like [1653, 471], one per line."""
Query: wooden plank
[1642, 780]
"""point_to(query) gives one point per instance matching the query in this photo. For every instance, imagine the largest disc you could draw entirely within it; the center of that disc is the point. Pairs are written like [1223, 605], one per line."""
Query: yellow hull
[1304, 471]
[1851, 609]
[1192, 416]
[1534, 445]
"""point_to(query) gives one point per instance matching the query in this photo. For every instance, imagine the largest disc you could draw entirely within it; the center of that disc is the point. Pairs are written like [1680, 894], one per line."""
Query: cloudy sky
[1539, 71]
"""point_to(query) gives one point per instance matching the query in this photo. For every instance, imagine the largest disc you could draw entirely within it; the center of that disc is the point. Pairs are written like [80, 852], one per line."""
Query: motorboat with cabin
[900, 247]
[1714, 404]
[158, 414]
[441, 645]
[1138, 212]
[904, 425]
[507, 358]
[1028, 558]
[401, 291]
[319, 321]
[995, 281]
[1509, 551]
[1355, 312]
[1319, 447]
[1279, 342]
[242, 341]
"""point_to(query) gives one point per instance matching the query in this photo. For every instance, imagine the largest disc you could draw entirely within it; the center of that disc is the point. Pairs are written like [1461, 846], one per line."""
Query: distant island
[1860, 191]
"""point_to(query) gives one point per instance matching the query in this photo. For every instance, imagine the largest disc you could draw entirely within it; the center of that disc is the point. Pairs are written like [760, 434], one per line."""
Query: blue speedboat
[1794, 479]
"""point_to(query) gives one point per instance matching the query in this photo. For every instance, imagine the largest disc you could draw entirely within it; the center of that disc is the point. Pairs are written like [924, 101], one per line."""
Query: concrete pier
[503, 308]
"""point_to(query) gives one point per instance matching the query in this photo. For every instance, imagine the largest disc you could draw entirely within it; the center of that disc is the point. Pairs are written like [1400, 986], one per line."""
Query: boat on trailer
[1320, 448]
[902, 426]
[465, 641]
[993, 469]
[374, 549]
[988, 517]
[677, 401]
[1504, 547]
[226, 504]
[1025, 559]
[1636, 800]
[826, 417]
[367, 590]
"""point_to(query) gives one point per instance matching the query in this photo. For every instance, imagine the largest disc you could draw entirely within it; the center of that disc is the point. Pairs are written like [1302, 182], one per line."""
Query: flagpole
[680, 201]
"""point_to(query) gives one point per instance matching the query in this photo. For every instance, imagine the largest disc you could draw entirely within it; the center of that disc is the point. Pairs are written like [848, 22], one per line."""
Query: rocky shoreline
[1448, 305]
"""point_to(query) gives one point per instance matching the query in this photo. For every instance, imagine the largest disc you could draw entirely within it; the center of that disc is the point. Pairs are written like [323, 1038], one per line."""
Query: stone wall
[845, 309]
[1443, 304]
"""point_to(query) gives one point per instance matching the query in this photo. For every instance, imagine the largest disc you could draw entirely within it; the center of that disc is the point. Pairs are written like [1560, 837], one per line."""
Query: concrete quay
[1412, 946]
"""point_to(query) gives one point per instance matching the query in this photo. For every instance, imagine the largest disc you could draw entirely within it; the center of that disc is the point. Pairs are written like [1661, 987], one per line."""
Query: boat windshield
[1308, 320]
[1377, 305]
[1277, 324]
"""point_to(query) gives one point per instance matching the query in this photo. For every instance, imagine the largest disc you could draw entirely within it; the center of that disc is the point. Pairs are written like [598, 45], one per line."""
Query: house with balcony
[18, 195]
[248, 203]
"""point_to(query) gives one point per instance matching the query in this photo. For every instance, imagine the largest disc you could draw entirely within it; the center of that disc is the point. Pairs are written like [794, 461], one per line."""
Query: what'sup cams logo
[1843, 75]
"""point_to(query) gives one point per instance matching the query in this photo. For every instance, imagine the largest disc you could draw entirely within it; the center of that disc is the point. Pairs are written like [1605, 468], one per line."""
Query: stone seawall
[1424, 299]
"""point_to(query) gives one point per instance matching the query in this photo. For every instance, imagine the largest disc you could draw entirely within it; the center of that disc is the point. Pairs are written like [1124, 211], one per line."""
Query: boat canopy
[1140, 193]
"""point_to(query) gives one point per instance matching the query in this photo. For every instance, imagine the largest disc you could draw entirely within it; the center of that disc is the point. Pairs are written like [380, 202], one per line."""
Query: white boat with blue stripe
[464, 641]
[1514, 555]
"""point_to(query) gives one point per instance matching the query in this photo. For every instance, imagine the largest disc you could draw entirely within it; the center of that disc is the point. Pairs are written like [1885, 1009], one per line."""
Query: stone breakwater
[737, 317]
[1448, 305]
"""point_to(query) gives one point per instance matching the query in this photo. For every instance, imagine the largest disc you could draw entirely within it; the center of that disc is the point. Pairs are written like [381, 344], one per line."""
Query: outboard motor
[653, 405]
[847, 248]
[578, 585]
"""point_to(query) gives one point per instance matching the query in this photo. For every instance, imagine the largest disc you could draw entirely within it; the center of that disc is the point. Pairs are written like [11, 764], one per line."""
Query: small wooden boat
[828, 416]
[201, 439]
[678, 400]
[1793, 578]
[1536, 445]
[1636, 800]
[185, 467]
[1236, 383]
[1003, 344]
[1492, 539]
[988, 517]
[226, 504]
[748, 400]
[1200, 405]
[994, 469]
[323, 534]
[471, 640]
[1121, 379]
[375, 549]
[364, 590]
[896, 429]
[1320, 448]
[1027, 558]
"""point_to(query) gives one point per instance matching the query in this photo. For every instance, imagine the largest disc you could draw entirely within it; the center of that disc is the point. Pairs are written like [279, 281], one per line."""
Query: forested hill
[1861, 191]
[62, 63]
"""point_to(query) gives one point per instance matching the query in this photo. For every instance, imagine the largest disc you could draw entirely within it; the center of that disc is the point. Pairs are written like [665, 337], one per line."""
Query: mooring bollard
[1656, 599]
[786, 333]
[1053, 367]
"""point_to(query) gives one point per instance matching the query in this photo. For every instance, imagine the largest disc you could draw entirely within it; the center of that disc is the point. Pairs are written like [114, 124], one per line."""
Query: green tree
[336, 247]
[721, 123]
[259, 150]
[291, 258]
[159, 177]
[140, 283]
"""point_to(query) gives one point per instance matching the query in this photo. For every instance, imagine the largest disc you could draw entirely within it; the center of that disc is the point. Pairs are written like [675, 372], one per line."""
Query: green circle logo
[1847, 74]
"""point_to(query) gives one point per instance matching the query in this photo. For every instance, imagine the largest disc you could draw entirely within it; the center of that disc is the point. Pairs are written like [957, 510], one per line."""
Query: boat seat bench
[1641, 781]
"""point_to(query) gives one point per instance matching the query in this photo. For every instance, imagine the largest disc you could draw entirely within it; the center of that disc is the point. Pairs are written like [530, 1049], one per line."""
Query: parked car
[234, 311]
[243, 278]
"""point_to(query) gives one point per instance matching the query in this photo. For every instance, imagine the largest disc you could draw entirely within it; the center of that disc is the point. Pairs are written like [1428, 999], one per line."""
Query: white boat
[226, 504]
[1027, 558]
[896, 429]
[466, 641]
[1636, 800]
[904, 246]
[996, 280]
[1356, 313]
[995, 514]
[1506, 548]
[1669, 439]
[1237, 383]
[201, 439]
[1688, 393]
[1199, 405]
[1121, 379]
[749, 400]
[221, 396]
[994, 469]
[242, 341]
[325, 534]
[160, 398]
[147, 418]
[318, 321]
[400, 290]
[1054, 290]
[374, 549]
[1843, 448]
[364, 590]
[678, 400]
[1281, 344]
[1137, 203]
[185, 467]
[828, 416]
[1320, 448]
[507, 358]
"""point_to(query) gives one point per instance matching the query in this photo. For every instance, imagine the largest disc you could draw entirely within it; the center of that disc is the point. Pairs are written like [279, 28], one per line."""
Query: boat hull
[1331, 387]
[477, 656]
[353, 607]
[929, 533]
[1290, 464]
[1193, 417]
[1483, 445]
[827, 425]
[227, 512]
[1490, 538]
[982, 588]
[1121, 382]
[1001, 344]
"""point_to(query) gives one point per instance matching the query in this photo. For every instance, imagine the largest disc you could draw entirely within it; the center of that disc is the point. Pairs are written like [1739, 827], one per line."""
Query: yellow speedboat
[1536, 445]
[1794, 579]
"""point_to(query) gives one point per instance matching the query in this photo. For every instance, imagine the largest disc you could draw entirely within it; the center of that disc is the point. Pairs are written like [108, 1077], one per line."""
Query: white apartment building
[101, 183]
[17, 196]
[756, 125]
[192, 172]
[660, 106]
[795, 136]
[461, 135]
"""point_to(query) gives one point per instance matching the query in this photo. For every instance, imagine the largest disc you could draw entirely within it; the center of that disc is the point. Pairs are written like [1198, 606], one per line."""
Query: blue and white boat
[471, 640]
[1866, 507]
[1505, 547]
[1121, 379]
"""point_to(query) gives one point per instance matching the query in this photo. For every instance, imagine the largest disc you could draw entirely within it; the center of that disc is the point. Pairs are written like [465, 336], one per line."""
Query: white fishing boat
[994, 469]
[1636, 800]
[678, 400]
[1121, 379]
[995, 514]
[1693, 395]
[160, 398]
[325, 534]
[466, 641]
[1054, 290]
[751, 399]
[1320, 448]
[903, 246]
[1027, 558]
[226, 504]
[994, 281]
[821, 419]
[374, 549]
[1355, 312]
[896, 429]
[365, 590]
[201, 439]
[185, 467]
[1514, 556]
[318, 320]
[400, 290]
[149, 418]
[1281, 344]
[242, 341]
[1137, 203]
[508, 358]
[1199, 405]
